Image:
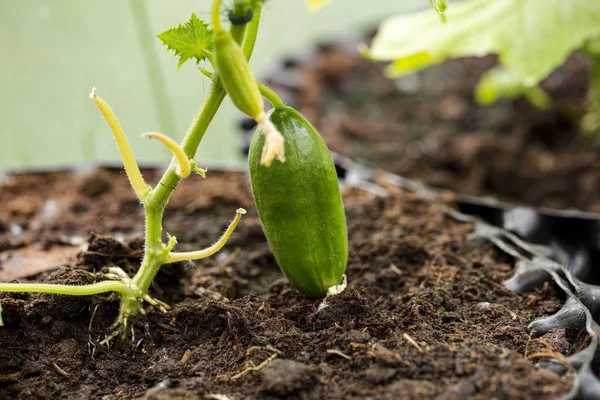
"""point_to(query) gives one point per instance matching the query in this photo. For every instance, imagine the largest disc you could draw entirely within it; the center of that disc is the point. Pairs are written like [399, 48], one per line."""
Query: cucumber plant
[530, 37]
[227, 52]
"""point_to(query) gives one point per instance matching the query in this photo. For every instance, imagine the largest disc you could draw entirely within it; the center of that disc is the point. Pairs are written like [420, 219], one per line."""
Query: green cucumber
[300, 205]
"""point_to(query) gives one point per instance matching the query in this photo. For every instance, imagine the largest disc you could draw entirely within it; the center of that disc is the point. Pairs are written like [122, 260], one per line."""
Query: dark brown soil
[428, 127]
[425, 314]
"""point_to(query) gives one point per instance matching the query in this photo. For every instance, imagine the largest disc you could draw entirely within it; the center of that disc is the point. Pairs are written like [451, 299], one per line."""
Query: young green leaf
[531, 37]
[440, 6]
[193, 39]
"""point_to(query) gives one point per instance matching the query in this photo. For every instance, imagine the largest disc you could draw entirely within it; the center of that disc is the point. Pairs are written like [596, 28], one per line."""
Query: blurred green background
[53, 52]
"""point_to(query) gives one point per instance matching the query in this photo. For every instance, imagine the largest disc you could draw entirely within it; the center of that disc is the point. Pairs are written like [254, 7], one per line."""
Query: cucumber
[300, 205]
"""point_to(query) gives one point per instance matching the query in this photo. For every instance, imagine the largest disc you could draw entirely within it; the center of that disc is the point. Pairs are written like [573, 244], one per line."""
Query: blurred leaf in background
[530, 37]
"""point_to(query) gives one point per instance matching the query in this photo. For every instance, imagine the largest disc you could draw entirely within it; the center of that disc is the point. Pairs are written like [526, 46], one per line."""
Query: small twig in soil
[60, 370]
[395, 269]
[412, 341]
[257, 348]
[527, 344]
[217, 396]
[186, 356]
[338, 353]
[262, 365]
[168, 327]
[552, 354]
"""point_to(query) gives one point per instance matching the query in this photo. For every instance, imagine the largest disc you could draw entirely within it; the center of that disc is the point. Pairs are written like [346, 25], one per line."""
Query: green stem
[209, 251]
[240, 8]
[215, 16]
[251, 34]
[154, 252]
[270, 95]
[155, 255]
[71, 290]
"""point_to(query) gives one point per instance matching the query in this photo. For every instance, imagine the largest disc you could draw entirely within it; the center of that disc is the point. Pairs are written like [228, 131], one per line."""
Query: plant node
[200, 171]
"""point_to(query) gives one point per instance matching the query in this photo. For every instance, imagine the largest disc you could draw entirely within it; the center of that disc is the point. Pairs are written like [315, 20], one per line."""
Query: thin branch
[209, 251]
[70, 290]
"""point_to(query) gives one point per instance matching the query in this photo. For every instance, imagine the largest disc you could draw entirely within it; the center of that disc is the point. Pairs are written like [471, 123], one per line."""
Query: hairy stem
[215, 16]
[154, 252]
[155, 255]
[209, 251]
